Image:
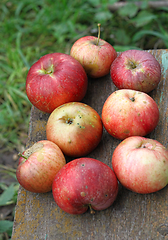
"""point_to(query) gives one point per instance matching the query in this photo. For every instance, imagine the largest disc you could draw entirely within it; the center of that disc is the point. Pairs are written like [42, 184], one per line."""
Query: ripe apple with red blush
[75, 127]
[141, 164]
[38, 166]
[85, 183]
[55, 79]
[95, 54]
[136, 69]
[128, 113]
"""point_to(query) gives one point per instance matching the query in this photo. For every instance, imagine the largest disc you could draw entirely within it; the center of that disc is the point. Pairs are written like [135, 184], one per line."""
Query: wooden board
[132, 216]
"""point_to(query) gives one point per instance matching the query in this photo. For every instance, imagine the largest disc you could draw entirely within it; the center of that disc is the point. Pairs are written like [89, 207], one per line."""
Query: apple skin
[128, 113]
[95, 59]
[85, 183]
[37, 172]
[141, 164]
[137, 70]
[75, 127]
[55, 79]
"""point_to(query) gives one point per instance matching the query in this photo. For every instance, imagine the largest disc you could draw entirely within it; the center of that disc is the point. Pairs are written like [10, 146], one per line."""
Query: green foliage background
[30, 29]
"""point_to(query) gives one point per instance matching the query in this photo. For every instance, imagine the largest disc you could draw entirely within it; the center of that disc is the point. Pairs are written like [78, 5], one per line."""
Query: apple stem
[133, 65]
[69, 121]
[98, 33]
[49, 71]
[91, 209]
[21, 155]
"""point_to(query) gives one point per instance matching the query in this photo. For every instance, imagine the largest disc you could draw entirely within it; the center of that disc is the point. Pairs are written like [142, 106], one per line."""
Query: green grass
[32, 28]
[8, 197]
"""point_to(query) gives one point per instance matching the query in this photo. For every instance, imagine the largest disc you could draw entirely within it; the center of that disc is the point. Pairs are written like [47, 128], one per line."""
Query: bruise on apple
[28, 152]
[36, 147]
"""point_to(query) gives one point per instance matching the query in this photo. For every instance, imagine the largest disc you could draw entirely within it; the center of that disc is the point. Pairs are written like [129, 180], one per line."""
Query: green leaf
[99, 2]
[94, 2]
[142, 33]
[130, 10]
[143, 18]
[159, 35]
[122, 36]
[119, 48]
[103, 16]
[112, 1]
[144, 4]
[7, 195]
[5, 225]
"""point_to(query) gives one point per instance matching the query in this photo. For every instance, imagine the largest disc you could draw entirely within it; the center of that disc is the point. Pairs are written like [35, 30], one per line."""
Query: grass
[30, 29]
[8, 199]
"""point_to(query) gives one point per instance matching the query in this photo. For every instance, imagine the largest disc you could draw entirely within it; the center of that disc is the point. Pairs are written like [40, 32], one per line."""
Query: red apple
[141, 164]
[38, 166]
[85, 183]
[55, 79]
[137, 70]
[128, 113]
[95, 55]
[75, 127]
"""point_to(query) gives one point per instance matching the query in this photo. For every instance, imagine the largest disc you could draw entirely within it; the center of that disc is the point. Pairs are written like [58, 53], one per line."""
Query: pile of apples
[56, 84]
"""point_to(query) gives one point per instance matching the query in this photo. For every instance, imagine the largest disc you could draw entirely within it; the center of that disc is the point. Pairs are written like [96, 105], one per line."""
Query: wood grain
[132, 216]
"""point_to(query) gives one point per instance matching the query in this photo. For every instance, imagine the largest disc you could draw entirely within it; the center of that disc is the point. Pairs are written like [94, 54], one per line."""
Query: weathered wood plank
[132, 216]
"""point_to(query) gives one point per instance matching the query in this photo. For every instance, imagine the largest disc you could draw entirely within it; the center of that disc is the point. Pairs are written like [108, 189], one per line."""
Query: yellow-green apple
[85, 183]
[95, 54]
[75, 127]
[136, 69]
[141, 164]
[128, 113]
[38, 166]
[55, 79]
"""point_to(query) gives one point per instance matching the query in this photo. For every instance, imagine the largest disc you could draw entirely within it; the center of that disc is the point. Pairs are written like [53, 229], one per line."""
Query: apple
[75, 127]
[128, 113]
[55, 79]
[141, 164]
[95, 54]
[38, 166]
[136, 69]
[85, 183]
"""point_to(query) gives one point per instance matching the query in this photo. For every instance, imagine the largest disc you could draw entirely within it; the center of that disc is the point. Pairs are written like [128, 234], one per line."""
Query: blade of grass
[5, 225]
[7, 195]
